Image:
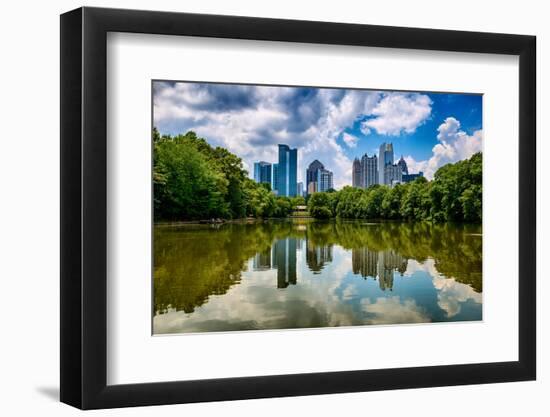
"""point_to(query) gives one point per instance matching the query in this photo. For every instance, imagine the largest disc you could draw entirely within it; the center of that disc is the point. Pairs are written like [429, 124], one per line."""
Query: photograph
[291, 207]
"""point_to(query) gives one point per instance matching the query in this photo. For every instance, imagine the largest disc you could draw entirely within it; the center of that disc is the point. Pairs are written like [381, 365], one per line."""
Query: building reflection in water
[317, 256]
[378, 265]
[262, 261]
[282, 257]
[365, 262]
[284, 260]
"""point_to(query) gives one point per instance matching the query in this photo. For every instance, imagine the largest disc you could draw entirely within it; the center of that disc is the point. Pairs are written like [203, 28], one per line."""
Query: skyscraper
[365, 171]
[311, 176]
[324, 180]
[369, 170]
[392, 174]
[403, 165]
[287, 174]
[275, 178]
[385, 157]
[262, 172]
[318, 178]
[356, 174]
[300, 189]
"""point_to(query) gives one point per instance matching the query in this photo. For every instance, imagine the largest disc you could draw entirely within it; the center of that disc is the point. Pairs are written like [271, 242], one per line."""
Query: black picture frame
[84, 207]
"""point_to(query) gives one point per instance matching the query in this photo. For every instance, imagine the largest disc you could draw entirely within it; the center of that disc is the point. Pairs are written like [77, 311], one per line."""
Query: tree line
[454, 195]
[193, 180]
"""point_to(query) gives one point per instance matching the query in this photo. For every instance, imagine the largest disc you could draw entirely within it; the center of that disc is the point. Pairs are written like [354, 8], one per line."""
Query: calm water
[299, 274]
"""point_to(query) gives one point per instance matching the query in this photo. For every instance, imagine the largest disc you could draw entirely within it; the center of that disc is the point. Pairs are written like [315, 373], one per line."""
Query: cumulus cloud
[350, 140]
[247, 119]
[398, 113]
[454, 145]
[393, 310]
[451, 294]
[365, 130]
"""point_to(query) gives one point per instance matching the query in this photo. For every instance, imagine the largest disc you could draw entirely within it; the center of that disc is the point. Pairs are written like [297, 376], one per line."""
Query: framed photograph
[257, 208]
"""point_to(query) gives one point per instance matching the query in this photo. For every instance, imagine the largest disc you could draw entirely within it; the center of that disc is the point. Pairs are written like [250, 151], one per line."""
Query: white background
[134, 356]
[29, 223]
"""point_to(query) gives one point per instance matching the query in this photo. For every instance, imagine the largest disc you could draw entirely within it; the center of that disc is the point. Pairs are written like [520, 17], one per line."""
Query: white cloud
[451, 294]
[398, 113]
[365, 129]
[392, 310]
[251, 120]
[350, 140]
[454, 145]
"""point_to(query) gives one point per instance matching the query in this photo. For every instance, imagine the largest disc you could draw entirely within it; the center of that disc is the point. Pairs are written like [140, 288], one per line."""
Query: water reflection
[378, 265]
[285, 274]
[317, 256]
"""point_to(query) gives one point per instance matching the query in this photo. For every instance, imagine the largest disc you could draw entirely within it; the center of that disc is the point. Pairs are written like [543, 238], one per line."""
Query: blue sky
[332, 125]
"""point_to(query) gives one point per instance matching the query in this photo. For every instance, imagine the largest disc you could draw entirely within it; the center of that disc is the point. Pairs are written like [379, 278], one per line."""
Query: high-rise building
[262, 172]
[275, 178]
[385, 157]
[369, 170]
[300, 189]
[403, 165]
[365, 171]
[324, 180]
[311, 175]
[287, 174]
[356, 174]
[392, 174]
[318, 178]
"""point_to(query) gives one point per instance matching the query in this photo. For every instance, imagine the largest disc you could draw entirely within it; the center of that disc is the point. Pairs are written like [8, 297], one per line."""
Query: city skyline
[329, 124]
[366, 171]
[282, 175]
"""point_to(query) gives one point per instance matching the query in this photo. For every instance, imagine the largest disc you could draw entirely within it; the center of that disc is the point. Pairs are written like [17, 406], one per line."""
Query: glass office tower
[287, 173]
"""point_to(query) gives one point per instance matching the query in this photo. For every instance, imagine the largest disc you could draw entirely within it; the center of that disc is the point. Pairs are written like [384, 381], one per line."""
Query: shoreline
[252, 220]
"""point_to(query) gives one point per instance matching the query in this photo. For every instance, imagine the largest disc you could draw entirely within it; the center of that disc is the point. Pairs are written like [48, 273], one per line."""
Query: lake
[307, 274]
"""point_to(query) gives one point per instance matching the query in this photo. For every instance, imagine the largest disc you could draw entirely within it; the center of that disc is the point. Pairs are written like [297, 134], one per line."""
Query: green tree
[184, 185]
[319, 206]
[391, 204]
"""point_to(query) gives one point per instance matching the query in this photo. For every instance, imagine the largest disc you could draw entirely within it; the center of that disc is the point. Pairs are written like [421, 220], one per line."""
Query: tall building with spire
[385, 157]
[370, 170]
[403, 165]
